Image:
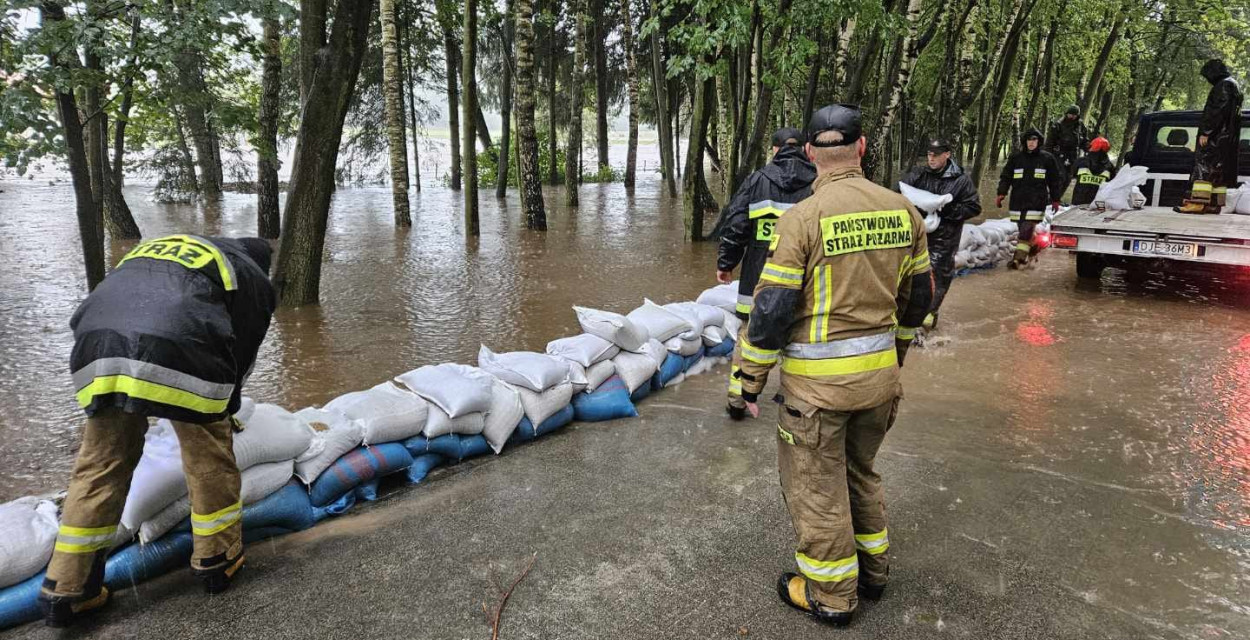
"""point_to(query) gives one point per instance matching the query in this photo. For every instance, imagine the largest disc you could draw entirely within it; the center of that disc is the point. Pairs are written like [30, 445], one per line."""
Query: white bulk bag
[925, 201]
[533, 371]
[270, 435]
[723, 296]
[660, 323]
[540, 406]
[613, 327]
[452, 387]
[386, 413]
[1117, 193]
[158, 480]
[584, 349]
[29, 527]
[246, 407]
[337, 433]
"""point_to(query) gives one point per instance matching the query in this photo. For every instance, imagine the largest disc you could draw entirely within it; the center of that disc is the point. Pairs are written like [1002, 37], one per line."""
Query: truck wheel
[1089, 265]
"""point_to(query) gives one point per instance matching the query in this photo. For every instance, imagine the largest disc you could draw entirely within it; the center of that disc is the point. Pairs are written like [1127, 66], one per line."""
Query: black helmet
[843, 118]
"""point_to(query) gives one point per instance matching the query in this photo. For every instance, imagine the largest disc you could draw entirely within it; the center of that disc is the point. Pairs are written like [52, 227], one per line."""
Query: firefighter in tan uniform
[845, 286]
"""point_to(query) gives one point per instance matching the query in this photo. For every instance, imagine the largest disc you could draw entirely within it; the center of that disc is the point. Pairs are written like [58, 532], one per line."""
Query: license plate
[1165, 248]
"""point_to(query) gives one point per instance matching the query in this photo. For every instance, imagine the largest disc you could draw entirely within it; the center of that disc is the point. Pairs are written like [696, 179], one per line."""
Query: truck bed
[1160, 222]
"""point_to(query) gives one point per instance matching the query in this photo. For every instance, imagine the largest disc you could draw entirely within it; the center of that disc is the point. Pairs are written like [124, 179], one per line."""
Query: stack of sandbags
[386, 412]
[541, 380]
[664, 325]
[723, 296]
[987, 244]
[589, 358]
[458, 398]
[30, 528]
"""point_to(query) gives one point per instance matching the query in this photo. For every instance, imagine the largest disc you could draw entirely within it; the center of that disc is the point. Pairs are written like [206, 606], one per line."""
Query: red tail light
[1064, 241]
[1042, 240]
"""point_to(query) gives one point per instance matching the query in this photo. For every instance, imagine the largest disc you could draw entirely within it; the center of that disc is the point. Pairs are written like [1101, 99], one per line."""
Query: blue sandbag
[526, 430]
[287, 508]
[645, 388]
[422, 465]
[725, 348]
[336, 508]
[453, 447]
[18, 602]
[473, 446]
[608, 402]
[367, 491]
[139, 562]
[356, 467]
[690, 361]
[672, 367]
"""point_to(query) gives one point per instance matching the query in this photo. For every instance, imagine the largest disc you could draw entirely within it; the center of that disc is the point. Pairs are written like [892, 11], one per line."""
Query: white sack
[158, 480]
[733, 324]
[636, 369]
[1117, 193]
[504, 415]
[451, 387]
[584, 349]
[613, 327]
[270, 435]
[338, 435]
[656, 351]
[724, 296]
[533, 371]
[577, 377]
[540, 406]
[660, 323]
[246, 407]
[931, 222]
[386, 413]
[708, 316]
[1242, 197]
[924, 200]
[683, 347]
[440, 424]
[713, 336]
[599, 373]
[256, 484]
[30, 527]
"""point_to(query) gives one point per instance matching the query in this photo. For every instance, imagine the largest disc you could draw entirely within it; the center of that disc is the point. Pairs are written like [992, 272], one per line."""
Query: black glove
[901, 347]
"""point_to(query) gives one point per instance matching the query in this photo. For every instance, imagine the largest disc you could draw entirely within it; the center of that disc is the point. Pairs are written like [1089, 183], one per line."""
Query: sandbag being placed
[28, 528]
[158, 480]
[524, 369]
[454, 388]
[256, 484]
[386, 413]
[613, 327]
[924, 200]
[272, 434]
[440, 423]
[635, 369]
[246, 407]
[337, 433]
[659, 323]
[1117, 193]
[584, 349]
[608, 402]
[598, 374]
[359, 465]
[724, 296]
[540, 406]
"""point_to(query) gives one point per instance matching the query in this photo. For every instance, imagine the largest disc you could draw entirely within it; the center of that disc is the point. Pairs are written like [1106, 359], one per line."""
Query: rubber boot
[793, 590]
[1219, 200]
[60, 610]
[218, 579]
[1199, 200]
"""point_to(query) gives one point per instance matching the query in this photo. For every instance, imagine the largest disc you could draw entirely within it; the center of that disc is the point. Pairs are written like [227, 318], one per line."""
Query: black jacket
[174, 330]
[1067, 137]
[965, 206]
[1091, 172]
[746, 224]
[1221, 123]
[1032, 177]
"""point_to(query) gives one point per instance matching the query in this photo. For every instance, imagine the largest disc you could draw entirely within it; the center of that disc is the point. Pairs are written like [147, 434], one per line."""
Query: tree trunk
[662, 117]
[89, 231]
[505, 106]
[298, 273]
[763, 107]
[184, 151]
[815, 66]
[1100, 66]
[844, 50]
[128, 94]
[695, 194]
[527, 144]
[268, 223]
[412, 108]
[553, 175]
[577, 90]
[631, 79]
[601, 82]
[989, 125]
[312, 37]
[468, 76]
[482, 130]
[197, 102]
[118, 220]
[1046, 55]
[907, 63]
[453, 107]
[393, 98]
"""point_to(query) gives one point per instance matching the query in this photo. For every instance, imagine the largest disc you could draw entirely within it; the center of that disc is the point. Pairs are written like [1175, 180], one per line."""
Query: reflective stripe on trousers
[827, 570]
[873, 543]
[744, 304]
[209, 524]
[84, 539]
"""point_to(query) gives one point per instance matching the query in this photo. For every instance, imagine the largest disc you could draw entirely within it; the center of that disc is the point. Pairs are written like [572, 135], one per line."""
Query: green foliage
[488, 163]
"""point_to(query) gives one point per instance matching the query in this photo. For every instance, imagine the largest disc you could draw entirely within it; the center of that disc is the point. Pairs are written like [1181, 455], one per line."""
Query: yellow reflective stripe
[1219, 190]
[742, 308]
[1199, 185]
[758, 355]
[735, 383]
[84, 539]
[767, 208]
[1023, 246]
[840, 366]
[207, 525]
[65, 547]
[824, 303]
[828, 570]
[906, 333]
[785, 435]
[781, 274]
[151, 392]
[87, 531]
[920, 263]
[873, 543]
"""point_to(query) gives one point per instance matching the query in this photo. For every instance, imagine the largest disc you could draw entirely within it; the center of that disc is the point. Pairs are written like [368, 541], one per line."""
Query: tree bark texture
[468, 75]
[909, 53]
[990, 124]
[446, 16]
[197, 103]
[1100, 66]
[312, 37]
[763, 107]
[268, 223]
[186, 162]
[598, 45]
[128, 95]
[393, 98]
[631, 79]
[661, 106]
[412, 110]
[505, 104]
[696, 198]
[527, 144]
[298, 273]
[572, 152]
[553, 173]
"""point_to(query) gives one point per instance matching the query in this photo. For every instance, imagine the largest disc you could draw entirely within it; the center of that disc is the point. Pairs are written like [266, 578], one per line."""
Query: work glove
[901, 347]
[998, 202]
[1054, 206]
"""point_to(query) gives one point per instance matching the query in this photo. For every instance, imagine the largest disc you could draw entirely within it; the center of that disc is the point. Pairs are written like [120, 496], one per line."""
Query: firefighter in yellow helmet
[846, 283]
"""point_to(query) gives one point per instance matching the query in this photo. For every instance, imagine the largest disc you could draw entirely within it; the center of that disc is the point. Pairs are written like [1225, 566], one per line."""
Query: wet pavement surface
[1072, 461]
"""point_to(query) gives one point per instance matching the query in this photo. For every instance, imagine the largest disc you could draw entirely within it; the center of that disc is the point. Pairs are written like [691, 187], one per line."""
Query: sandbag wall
[300, 468]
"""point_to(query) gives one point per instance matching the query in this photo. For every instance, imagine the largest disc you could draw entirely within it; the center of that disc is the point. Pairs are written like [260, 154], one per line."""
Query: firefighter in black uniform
[1219, 134]
[1034, 179]
[1092, 171]
[171, 333]
[1067, 136]
[747, 225]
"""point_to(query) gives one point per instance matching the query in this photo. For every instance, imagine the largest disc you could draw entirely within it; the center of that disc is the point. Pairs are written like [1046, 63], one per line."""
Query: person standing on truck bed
[1033, 178]
[1067, 136]
[1092, 171]
[747, 225]
[1219, 133]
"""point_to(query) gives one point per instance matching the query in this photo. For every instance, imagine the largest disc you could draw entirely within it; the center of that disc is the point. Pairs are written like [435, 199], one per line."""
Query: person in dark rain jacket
[1034, 180]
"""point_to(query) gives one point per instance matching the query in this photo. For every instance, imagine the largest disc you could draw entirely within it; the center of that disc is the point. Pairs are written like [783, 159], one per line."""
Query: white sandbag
[255, 484]
[1242, 195]
[441, 424]
[158, 480]
[613, 327]
[713, 336]
[386, 413]
[1117, 193]
[29, 527]
[689, 311]
[655, 350]
[452, 387]
[599, 373]
[635, 369]
[246, 407]
[584, 349]
[337, 433]
[924, 200]
[660, 323]
[733, 324]
[540, 406]
[270, 435]
[533, 371]
[577, 377]
[931, 222]
[723, 296]
[504, 415]
[683, 347]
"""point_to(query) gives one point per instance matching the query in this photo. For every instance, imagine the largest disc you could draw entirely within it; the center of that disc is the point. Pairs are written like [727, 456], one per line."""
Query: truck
[1156, 236]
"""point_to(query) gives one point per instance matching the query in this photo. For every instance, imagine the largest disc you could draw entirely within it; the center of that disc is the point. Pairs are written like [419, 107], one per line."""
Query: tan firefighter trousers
[112, 443]
[835, 497]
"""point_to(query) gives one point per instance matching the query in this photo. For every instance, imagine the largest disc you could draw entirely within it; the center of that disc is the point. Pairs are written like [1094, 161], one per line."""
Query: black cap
[939, 145]
[843, 118]
[259, 251]
[1074, 110]
[785, 135]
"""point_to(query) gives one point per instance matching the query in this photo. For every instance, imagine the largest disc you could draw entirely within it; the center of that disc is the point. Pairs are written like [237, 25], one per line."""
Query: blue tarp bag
[336, 508]
[422, 465]
[608, 402]
[672, 367]
[18, 602]
[367, 491]
[725, 348]
[357, 467]
[287, 508]
[690, 361]
[526, 430]
[139, 562]
[452, 446]
[644, 389]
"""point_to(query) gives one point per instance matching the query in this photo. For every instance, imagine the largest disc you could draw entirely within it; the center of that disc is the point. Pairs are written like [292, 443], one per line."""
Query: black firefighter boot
[60, 611]
[218, 578]
[793, 590]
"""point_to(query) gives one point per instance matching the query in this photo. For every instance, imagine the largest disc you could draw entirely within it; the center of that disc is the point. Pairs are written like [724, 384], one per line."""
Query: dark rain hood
[790, 169]
[1032, 133]
[1215, 70]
